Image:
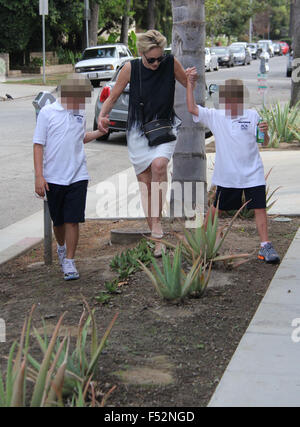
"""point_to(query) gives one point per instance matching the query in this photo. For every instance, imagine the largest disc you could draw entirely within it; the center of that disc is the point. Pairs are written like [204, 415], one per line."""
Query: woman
[158, 73]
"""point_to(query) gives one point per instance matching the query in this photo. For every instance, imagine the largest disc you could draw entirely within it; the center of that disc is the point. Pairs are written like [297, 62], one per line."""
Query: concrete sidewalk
[19, 91]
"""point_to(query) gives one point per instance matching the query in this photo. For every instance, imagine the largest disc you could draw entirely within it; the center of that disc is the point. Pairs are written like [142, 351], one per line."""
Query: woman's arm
[121, 83]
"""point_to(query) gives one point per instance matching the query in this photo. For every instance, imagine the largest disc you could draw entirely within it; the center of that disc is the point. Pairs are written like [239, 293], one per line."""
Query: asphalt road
[17, 122]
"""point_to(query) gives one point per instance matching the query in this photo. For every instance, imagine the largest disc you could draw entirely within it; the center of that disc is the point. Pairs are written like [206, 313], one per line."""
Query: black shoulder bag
[157, 131]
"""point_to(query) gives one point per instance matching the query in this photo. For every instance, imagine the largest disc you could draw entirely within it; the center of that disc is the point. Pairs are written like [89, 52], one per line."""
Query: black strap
[141, 103]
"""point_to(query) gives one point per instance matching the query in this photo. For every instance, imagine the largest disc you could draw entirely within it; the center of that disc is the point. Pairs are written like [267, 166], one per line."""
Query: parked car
[289, 65]
[277, 49]
[269, 44]
[224, 55]
[253, 49]
[244, 44]
[241, 55]
[100, 62]
[284, 47]
[211, 60]
[119, 113]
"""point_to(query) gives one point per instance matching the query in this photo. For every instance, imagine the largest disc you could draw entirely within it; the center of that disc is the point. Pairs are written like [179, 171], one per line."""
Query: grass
[52, 80]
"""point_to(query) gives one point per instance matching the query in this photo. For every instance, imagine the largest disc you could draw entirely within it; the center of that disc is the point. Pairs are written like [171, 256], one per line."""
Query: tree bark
[93, 23]
[151, 15]
[188, 44]
[295, 94]
[125, 23]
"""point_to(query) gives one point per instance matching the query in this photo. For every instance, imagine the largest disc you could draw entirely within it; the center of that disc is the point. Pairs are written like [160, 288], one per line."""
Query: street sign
[43, 7]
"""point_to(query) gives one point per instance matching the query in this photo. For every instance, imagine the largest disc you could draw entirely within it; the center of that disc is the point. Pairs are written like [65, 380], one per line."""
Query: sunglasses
[152, 60]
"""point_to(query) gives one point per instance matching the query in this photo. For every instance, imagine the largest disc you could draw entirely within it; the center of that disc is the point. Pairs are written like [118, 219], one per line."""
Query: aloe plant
[59, 371]
[13, 389]
[79, 367]
[282, 121]
[172, 283]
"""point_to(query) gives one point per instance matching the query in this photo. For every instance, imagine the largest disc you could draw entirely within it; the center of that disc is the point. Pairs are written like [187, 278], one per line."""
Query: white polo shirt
[61, 132]
[237, 163]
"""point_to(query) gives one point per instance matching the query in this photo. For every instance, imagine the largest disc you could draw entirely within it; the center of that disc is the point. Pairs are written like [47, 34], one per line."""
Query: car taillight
[105, 93]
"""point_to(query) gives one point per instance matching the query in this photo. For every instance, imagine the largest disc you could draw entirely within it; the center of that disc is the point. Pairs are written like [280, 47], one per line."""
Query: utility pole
[87, 17]
[44, 11]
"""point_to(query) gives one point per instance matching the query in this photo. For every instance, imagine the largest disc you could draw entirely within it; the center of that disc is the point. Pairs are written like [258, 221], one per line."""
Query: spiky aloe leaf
[96, 356]
[41, 380]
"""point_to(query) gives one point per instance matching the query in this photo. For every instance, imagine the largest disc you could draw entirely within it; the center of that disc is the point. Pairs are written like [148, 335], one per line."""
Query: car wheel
[217, 67]
[289, 73]
[95, 83]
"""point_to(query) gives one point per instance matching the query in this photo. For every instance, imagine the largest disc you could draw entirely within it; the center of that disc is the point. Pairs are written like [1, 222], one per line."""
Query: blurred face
[74, 92]
[153, 58]
[73, 103]
[232, 97]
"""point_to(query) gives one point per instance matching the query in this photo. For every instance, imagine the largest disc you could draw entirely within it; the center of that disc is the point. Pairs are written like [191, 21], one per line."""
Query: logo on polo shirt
[244, 124]
[79, 118]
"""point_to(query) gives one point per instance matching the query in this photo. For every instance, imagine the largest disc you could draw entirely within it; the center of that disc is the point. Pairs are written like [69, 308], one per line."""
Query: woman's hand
[103, 123]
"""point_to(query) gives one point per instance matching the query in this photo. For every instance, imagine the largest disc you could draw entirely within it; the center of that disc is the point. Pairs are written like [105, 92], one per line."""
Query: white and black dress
[158, 89]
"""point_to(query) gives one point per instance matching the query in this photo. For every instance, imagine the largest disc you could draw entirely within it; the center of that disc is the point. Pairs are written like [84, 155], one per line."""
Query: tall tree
[125, 23]
[295, 96]
[189, 161]
[151, 15]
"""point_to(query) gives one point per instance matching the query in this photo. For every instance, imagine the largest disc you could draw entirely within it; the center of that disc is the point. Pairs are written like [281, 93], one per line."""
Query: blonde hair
[149, 40]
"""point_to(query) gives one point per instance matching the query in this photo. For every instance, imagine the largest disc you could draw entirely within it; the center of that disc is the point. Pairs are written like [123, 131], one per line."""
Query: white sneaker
[69, 269]
[61, 254]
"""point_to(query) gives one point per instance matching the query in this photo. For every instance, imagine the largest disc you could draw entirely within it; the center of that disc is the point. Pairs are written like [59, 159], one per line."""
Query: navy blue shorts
[67, 202]
[232, 198]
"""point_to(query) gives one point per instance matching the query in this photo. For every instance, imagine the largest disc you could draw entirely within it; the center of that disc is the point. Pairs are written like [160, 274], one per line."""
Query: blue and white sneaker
[61, 254]
[69, 269]
[268, 254]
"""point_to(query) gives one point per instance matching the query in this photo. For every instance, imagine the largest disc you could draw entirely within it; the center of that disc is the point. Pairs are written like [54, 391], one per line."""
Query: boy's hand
[103, 124]
[263, 126]
[41, 186]
[192, 76]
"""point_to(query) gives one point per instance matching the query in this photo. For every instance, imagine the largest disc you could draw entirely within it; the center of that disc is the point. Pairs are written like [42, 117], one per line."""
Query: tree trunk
[93, 23]
[125, 23]
[151, 15]
[189, 161]
[295, 95]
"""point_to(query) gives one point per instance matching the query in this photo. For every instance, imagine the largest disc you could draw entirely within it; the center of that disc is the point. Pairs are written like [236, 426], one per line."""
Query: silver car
[119, 114]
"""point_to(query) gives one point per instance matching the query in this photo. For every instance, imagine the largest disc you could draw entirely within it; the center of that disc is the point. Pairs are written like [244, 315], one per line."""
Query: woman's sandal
[159, 247]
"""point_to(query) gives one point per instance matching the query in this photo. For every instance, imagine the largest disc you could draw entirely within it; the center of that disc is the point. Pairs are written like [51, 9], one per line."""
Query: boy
[60, 166]
[238, 165]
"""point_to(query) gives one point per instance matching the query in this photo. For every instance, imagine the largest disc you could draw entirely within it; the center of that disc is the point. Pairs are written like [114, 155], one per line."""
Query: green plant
[66, 56]
[49, 379]
[172, 283]
[201, 279]
[282, 121]
[132, 39]
[206, 241]
[79, 367]
[126, 263]
[36, 62]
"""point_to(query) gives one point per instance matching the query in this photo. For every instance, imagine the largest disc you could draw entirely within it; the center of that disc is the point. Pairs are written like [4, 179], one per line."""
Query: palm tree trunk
[151, 15]
[189, 161]
[295, 95]
[125, 23]
[93, 28]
